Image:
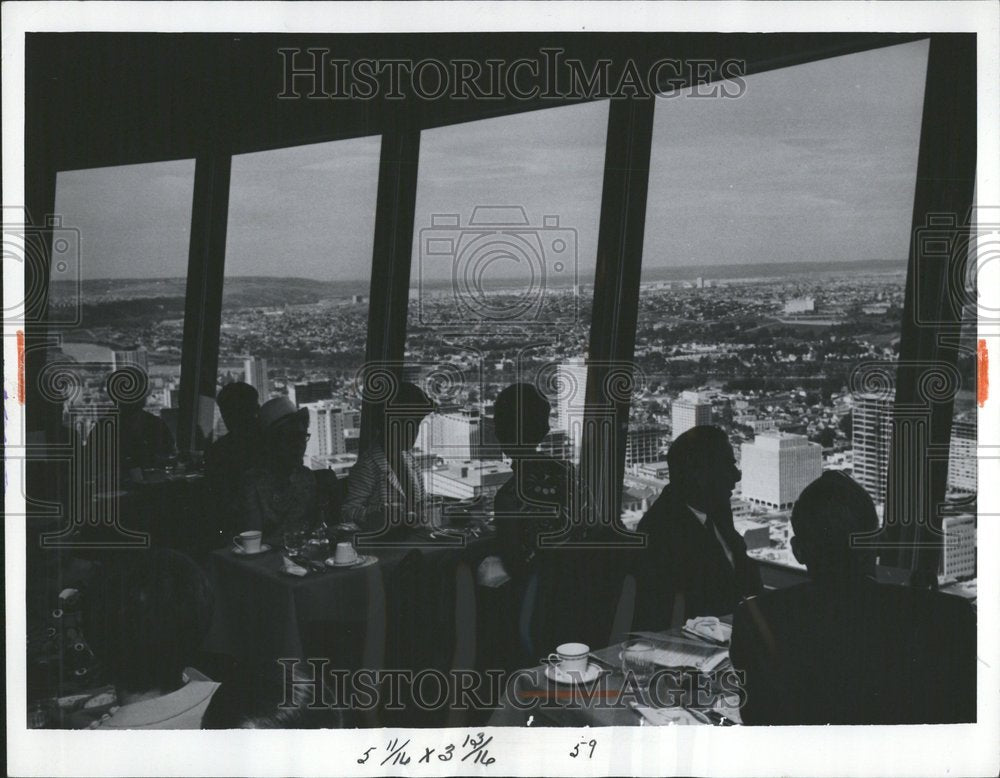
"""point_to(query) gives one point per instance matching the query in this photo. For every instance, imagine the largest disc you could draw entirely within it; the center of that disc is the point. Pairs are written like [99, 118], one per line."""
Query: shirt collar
[700, 515]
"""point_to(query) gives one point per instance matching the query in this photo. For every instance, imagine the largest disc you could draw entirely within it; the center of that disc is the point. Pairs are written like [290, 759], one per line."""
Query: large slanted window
[504, 251]
[775, 257]
[298, 276]
[120, 259]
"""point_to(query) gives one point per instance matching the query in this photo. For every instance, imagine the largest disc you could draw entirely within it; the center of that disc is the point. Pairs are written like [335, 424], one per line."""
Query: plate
[361, 561]
[240, 552]
[591, 674]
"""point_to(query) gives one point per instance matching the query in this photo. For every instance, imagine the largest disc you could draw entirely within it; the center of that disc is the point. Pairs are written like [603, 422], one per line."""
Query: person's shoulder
[788, 600]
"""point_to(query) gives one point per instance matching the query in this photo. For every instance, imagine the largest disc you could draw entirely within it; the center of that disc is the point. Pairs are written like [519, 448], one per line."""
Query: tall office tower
[571, 385]
[962, 462]
[326, 428]
[310, 391]
[255, 374]
[459, 434]
[643, 444]
[687, 411]
[556, 444]
[958, 557]
[871, 441]
[777, 466]
[137, 357]
[171, 397]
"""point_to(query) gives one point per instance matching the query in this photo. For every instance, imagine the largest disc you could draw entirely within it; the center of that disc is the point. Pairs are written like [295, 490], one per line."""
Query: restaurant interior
[416, 600]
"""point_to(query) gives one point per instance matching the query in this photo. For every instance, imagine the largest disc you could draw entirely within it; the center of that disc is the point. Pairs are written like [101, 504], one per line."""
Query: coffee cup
[248, 542]
[345, 554]
[570, 657]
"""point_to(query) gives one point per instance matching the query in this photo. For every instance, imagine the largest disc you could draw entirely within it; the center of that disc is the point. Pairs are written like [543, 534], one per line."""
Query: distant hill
[267, 291]
[239, 291]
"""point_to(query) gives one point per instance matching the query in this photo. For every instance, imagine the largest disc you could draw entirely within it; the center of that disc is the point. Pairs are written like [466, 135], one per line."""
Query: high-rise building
[687, 411]
[255, 374]
[958, 557]
[309, 392]
[871, 441]
[643, 444]
[137, 357]
[777, 466]
[571, 385]
[962, 462]
[459, 434]
[556, 444]
[170, 397]
[326, 429]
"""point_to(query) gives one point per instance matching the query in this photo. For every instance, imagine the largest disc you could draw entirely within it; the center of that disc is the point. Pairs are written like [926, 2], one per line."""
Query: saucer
[361, 561]
[240, 552]
[593, 671]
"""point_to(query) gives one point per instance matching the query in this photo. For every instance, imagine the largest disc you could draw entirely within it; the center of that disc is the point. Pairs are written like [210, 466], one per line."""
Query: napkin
[709, 627]
[491, 573]
[291, 568]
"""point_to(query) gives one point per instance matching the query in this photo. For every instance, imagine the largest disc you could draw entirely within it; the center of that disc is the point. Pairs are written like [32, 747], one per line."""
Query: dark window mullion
[203, 302]
[616, 294]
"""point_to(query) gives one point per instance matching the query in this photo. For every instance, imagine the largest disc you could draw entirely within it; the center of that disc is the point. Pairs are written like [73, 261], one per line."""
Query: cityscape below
[768, 358]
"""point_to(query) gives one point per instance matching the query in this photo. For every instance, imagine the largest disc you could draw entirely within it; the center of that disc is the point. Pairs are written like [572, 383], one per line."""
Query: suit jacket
[865, 654]
[684, 557]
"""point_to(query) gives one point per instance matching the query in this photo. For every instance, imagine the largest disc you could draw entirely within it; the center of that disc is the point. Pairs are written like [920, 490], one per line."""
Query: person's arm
[251, 513]
[364, 494]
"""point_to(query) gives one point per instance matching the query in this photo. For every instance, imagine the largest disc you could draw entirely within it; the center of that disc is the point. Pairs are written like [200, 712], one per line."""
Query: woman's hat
[279, 411]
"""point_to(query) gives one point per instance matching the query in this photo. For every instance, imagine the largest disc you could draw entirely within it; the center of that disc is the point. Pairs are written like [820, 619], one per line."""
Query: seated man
[538, 510]
[281, 493]
[695, 562]
[143, 440]
[386, 482]
[241, 449]
[151, 613]
[843, 649]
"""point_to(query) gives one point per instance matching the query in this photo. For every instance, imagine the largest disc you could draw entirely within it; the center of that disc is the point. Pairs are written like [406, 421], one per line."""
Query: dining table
[674, 695]
[263, 612]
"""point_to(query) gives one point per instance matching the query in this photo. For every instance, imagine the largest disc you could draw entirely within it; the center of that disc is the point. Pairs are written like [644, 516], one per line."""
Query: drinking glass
[637, 659]
[294, 539]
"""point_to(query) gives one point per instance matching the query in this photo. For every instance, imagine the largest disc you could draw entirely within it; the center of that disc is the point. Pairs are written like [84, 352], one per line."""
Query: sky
[812, 163]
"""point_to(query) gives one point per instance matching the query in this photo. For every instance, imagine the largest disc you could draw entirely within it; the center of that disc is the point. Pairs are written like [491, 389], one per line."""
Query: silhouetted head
[150, 612]
[703, 469]
[404, 412]
[239, 405]
[128, 388]
[521, 419]
[286, 431]
[828, 512]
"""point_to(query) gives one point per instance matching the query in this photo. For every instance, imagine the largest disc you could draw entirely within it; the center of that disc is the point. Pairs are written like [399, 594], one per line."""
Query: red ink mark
[982, 373]
[20, 366]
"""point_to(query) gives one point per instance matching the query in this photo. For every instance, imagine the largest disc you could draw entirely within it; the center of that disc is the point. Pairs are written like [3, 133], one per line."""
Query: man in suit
[843, 649]
[695, 562]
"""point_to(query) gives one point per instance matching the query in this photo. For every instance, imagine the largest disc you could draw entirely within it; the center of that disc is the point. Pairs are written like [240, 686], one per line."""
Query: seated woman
[150, 614]
[281, 494]
[385, 486]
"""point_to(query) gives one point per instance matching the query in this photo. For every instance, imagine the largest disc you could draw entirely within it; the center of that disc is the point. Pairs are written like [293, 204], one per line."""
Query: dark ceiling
[95, 99]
